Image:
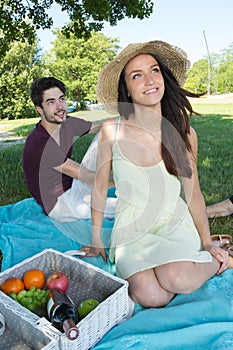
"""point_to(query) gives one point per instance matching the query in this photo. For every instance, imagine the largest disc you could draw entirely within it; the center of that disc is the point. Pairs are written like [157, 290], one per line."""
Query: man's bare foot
[223, 208]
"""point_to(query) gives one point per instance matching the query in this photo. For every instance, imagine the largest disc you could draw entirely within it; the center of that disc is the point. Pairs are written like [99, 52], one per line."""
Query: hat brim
[107, 87]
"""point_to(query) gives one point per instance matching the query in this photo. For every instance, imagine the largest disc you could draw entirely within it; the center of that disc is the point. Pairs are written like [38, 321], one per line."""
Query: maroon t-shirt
[41, 154]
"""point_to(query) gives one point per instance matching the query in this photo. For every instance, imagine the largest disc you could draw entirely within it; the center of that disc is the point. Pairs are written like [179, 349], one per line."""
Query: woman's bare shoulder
[193, 141]
[111, 122]
[108, 129]
[193, 132]
[193, 136]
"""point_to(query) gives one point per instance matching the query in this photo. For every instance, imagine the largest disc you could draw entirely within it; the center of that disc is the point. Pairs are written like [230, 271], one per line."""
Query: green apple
[86, 306]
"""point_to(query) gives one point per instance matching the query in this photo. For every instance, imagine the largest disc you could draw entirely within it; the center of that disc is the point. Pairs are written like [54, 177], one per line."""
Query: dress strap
[117, 123]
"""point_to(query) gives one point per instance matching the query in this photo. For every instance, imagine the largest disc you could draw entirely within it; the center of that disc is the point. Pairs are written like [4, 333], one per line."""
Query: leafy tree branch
[19, 19]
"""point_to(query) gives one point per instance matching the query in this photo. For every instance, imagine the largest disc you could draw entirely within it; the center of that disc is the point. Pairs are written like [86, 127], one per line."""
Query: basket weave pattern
[85, 282]
[20, 333]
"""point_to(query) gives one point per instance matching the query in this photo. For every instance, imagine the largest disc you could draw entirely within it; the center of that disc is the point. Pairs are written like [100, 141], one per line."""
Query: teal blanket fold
[202, 320]
[25, 230]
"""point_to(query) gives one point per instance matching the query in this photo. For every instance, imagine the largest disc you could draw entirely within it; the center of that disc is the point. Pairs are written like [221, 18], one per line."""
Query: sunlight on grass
[206, 162]
[220, 109]
[9, 125]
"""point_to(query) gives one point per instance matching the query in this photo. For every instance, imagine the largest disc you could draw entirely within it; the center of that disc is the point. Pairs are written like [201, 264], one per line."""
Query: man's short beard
[52, 121]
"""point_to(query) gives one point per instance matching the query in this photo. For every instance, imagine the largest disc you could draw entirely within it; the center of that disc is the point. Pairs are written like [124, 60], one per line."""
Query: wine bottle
[63, 314]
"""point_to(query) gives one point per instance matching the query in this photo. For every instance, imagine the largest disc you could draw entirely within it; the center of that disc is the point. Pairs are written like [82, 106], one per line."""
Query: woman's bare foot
[223, 208]
[230, 262]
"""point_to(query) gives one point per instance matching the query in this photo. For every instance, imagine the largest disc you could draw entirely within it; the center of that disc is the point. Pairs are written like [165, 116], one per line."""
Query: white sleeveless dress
[153, 225]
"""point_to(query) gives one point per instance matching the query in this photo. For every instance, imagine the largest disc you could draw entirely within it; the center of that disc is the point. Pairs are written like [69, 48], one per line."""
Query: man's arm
[76, 171]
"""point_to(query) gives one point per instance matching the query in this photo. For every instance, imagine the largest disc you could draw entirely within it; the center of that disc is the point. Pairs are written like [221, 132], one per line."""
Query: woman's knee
[177, 278]
[148, 293]
[150, 300]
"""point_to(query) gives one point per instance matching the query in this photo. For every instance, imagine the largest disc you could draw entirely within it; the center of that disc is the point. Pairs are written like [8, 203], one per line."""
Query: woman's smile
[144, 81]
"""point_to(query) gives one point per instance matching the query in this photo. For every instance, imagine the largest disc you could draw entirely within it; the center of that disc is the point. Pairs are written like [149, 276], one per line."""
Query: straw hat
[107, 87]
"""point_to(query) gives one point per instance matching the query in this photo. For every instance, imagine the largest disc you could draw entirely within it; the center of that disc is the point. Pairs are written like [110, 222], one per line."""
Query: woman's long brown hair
[176, 111]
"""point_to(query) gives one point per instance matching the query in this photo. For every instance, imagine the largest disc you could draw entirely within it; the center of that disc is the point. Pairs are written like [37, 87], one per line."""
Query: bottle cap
[70, 329]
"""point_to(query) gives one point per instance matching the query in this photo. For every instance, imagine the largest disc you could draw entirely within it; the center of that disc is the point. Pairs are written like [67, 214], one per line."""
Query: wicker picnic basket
[22, 334]
[85, 282]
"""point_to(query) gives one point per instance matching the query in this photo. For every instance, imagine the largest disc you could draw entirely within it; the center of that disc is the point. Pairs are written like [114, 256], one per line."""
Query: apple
[86, 306]
[58, 281]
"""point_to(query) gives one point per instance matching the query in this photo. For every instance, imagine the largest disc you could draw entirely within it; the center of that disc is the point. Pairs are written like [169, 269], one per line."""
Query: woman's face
[144, 81]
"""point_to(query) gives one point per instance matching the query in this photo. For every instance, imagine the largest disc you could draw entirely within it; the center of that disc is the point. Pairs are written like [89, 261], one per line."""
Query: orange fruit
[34, 278]
[13, 284]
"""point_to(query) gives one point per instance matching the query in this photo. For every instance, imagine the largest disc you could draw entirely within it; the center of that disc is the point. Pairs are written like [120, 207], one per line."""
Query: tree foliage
[77, 62]
[214, 74]
[19, 19]
[18, 69]
[198, 77]
[224, 71]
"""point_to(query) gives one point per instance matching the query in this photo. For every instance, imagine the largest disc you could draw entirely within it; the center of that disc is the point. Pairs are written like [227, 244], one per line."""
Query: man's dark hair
[40, 85]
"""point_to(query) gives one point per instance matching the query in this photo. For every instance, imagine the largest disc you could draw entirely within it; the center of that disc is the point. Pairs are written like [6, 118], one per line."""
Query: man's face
[54, 107]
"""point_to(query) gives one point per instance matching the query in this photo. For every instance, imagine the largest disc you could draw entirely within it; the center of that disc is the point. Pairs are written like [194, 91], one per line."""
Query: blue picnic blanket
[202, 320]
[25, 231]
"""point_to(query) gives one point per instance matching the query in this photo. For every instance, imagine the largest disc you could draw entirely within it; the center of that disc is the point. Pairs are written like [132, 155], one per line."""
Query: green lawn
[214, 130]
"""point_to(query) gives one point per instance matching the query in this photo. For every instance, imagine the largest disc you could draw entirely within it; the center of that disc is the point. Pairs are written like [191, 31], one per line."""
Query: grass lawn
[214, 130]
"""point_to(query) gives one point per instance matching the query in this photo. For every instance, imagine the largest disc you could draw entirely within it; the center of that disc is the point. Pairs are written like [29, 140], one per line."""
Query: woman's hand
[220, 255]
[95, 249]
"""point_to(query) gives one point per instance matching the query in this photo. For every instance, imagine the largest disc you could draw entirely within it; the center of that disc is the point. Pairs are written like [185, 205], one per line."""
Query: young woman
[160, 243]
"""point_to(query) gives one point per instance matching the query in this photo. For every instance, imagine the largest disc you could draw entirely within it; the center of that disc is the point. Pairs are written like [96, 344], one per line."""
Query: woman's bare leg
[185, 277]
[145, 290]
[157, 287]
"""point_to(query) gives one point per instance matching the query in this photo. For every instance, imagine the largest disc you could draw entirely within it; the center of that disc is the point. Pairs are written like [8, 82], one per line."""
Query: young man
[49, 171]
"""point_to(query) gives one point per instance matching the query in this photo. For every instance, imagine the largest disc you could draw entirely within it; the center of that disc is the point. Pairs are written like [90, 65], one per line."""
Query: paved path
[8, 138]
